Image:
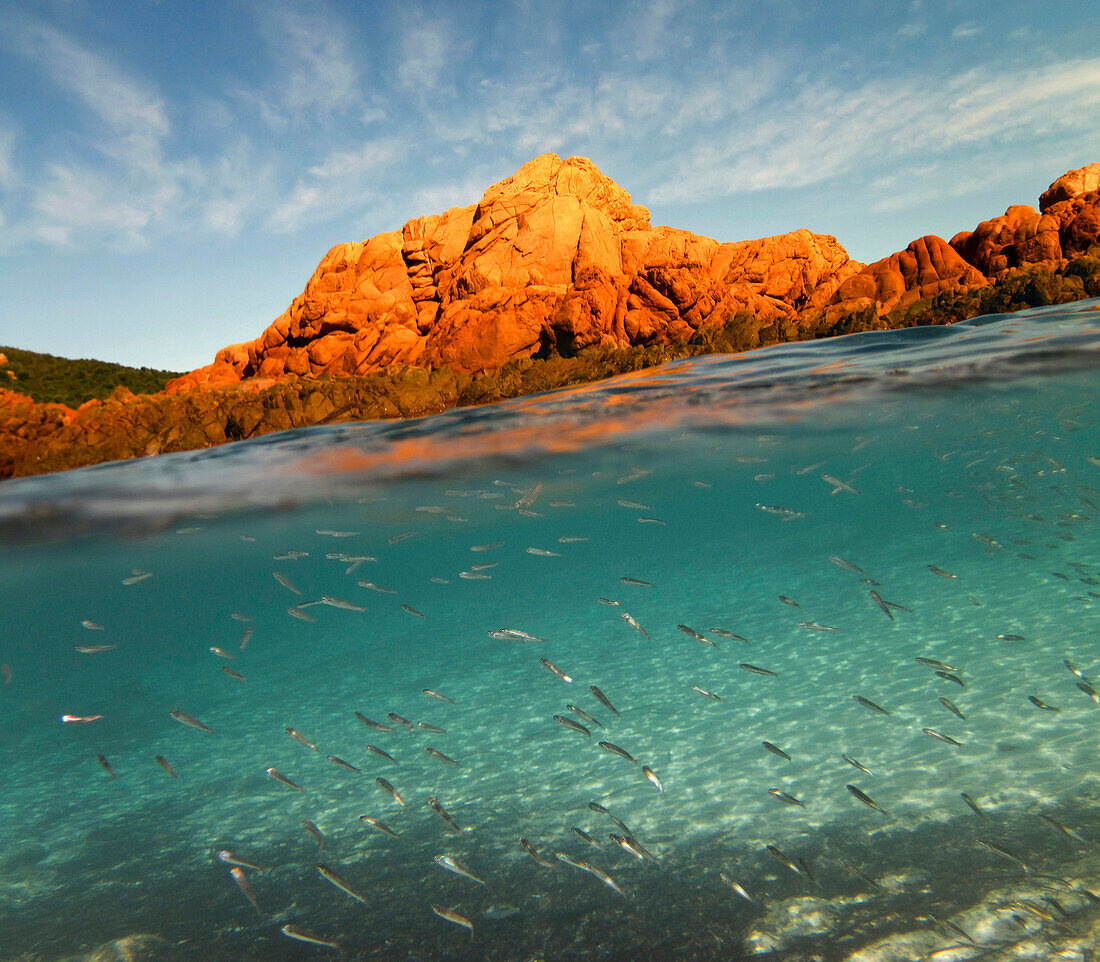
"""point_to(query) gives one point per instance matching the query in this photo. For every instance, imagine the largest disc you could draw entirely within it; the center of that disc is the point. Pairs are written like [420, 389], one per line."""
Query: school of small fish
[594, 712]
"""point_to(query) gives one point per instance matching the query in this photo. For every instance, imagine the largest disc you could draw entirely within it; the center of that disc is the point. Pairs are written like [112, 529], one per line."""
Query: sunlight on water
[818, 606]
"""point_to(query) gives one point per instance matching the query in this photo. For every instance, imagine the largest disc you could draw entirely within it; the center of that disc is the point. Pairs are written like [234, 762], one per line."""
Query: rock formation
[554, 258]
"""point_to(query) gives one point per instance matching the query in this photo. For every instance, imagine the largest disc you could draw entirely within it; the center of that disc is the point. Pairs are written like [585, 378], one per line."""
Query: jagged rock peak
[548, 175]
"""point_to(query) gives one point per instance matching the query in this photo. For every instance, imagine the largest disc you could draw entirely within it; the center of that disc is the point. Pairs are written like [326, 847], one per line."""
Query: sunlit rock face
[555, 257]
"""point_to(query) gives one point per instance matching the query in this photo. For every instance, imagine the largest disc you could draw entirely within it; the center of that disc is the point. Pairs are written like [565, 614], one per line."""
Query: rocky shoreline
[555, 278]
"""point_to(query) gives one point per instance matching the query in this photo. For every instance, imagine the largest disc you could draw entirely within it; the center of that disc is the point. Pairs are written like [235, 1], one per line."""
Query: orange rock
[1083, 180]
[557, 256]
[927, 267]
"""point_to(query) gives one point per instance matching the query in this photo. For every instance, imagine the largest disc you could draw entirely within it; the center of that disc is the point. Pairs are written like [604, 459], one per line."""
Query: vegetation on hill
[45, 377]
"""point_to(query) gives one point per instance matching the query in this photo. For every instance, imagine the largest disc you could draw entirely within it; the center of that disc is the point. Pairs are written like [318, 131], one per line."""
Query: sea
[788, 655]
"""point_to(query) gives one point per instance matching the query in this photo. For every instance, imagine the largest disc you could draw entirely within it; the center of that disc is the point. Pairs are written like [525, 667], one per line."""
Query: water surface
[828, 512]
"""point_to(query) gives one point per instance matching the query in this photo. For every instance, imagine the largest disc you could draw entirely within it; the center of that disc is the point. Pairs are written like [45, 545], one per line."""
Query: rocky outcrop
[1066, 224]
[927, 267]
[555, 258]
[1073, 183]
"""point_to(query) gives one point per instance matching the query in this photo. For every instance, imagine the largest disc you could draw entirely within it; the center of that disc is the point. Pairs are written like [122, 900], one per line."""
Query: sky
[171, 172]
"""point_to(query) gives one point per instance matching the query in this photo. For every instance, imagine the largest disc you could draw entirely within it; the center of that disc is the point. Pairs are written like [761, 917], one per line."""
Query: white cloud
[965, 30]
[340, 185]
[317, 77]
[8, 176]
[826, 131]
[657, 26]
[73, 200]
[236, 188]
[132, 112]
[426, 49]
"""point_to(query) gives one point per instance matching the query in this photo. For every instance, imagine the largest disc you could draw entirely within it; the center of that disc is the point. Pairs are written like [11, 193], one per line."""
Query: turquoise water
[828, 512]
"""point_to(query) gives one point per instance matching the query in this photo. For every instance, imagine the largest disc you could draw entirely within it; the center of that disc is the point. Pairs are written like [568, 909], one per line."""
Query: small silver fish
[735, 886]
[286, 582]
[439, 756]
[973, 806]
[341, 883]
[333, 602]
[776, 750]
[572, 726]
[435, 805]
[390, 790]
[847, 565]
[932, 733]
[785, 797]
[280, 777]
[952, 707]
[185, 719]
[452, 916]
[758, 671]
[692, 633]
[454, 865]
[851, 761]
[242, 883]
[293, 932]
[785, 513]
[867, 703]
[378, 824]
[301, 739]
[377, 726]
[1039, 703]
[1005, 853]
[581, 713]
[315, 832]
[230, 859]
[530, 850]
[866, 799]
[602, 698]
[629, 619]
[549, 665]
[343, 764]
[616, 750]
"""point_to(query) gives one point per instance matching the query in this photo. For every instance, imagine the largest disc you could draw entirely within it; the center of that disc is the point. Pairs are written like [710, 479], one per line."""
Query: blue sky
[172, 172]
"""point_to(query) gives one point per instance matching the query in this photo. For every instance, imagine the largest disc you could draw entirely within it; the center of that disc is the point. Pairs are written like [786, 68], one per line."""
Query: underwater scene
[793, 654]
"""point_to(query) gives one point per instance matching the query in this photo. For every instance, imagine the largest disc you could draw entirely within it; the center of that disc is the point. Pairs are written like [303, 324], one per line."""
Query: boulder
[1083, 180]
[927, 267]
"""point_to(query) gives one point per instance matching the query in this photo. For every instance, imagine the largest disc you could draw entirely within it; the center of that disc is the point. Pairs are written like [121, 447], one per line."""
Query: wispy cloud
[317, 76]
[131, 111]
[826, 131]
[8, 176]
[75, 200]
[965, 30]
[426, 50]
[124, 183]
[341, 184]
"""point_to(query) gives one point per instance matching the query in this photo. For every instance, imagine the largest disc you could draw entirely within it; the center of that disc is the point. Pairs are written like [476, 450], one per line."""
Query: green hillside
[72, 382]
